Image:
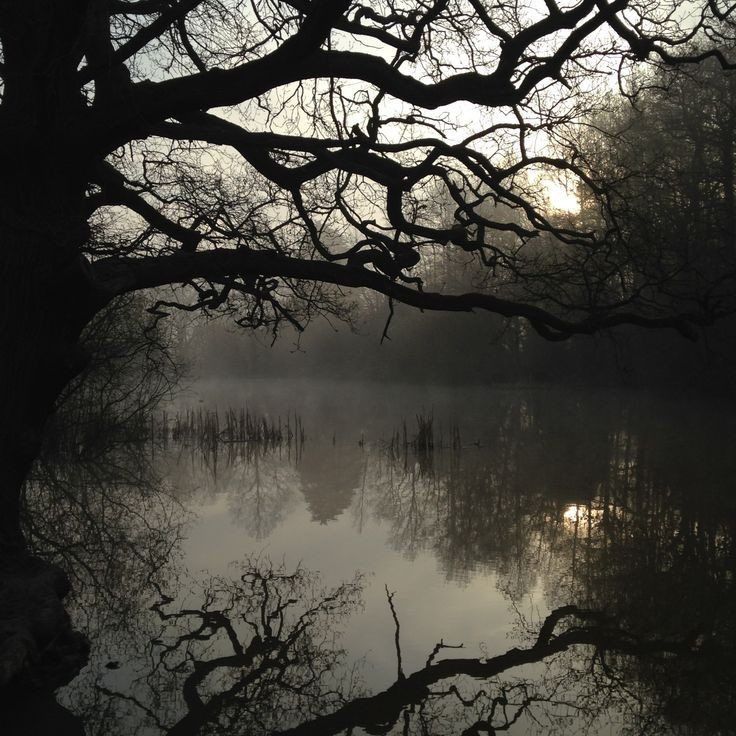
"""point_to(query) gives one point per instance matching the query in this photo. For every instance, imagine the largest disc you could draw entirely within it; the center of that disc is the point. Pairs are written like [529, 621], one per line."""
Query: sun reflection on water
[581, 513]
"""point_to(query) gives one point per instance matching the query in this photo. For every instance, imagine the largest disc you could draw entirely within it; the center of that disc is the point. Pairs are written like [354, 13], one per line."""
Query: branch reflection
[260, 654]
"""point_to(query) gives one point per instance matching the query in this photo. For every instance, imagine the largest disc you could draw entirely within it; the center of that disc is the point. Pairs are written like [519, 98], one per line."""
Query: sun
[560, 197]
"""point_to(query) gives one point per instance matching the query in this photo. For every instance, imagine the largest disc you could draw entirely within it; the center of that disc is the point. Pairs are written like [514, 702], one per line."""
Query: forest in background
[460, 348]
[666, 156]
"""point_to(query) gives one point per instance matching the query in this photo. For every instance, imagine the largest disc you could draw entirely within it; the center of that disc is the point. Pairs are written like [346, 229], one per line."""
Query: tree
[332, 122]
[668, 165]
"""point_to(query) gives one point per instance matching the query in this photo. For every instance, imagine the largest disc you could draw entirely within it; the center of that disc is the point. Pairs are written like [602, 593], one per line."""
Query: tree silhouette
[669, 165]
[264, 153]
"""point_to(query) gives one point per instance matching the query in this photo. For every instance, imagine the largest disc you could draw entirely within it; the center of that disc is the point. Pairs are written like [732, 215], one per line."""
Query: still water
[389, 566]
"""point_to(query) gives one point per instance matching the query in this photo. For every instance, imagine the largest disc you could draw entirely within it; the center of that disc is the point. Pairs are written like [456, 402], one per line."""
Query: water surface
[526, 500]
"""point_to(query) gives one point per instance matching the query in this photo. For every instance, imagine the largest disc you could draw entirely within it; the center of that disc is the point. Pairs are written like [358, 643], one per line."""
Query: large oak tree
[261, 154]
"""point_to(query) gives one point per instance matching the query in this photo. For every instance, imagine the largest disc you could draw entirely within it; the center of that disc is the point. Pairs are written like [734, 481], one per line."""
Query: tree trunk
[45, 302]
[46, 298]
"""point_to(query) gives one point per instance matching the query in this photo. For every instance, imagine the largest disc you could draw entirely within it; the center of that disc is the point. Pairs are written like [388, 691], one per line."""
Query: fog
[462, 349]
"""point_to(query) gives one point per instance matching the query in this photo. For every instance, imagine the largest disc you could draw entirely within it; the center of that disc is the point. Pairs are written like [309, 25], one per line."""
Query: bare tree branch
[121, 275]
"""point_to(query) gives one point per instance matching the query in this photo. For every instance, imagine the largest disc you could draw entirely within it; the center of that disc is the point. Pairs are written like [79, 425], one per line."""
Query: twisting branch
[115, 192]
[383, 709]
[121, 275]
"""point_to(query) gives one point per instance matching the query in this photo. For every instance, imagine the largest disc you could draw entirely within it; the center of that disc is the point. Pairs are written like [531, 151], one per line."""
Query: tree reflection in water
[259, 651]
[112, 522]
[259, 480]
[260, 654]
[640, 525]
[630, 535]
[98, 520]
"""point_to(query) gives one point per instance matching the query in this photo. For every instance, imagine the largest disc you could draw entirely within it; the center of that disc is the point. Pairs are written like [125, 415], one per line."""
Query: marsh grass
[208, 428]
[427, 438]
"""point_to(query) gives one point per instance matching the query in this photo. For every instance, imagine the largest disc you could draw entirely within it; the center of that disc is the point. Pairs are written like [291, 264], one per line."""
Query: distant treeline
[468, 348]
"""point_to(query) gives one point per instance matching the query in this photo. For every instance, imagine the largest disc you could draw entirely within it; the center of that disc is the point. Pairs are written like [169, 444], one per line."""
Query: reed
[427, 438]
[208, 428]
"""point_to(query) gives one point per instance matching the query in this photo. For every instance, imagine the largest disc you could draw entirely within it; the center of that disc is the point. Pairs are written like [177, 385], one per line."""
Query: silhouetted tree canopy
[266, 154]
[260, 156]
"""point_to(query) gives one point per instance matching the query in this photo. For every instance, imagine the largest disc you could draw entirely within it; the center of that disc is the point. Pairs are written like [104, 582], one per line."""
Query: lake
[578, 544]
